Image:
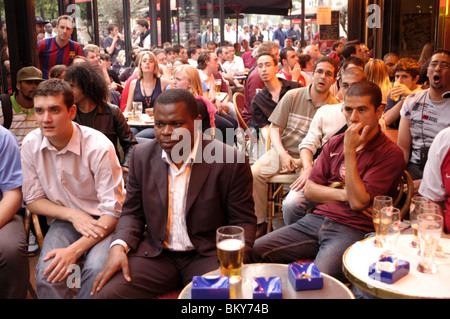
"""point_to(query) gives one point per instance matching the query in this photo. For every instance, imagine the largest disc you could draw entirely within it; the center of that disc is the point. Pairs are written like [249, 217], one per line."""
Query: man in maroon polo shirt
[364, 163]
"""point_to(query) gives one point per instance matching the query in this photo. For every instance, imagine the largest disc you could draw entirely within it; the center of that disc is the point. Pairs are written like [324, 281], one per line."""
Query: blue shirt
[10, 166]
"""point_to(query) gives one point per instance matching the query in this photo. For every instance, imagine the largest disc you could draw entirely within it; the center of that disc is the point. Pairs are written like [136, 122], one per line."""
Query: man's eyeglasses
[443, 65]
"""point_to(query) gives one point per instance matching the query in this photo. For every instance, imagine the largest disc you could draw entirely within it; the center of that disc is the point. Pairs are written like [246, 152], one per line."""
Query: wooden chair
[403, 198]
[33, 218]
[239, 102]
[28, 218]
[276, 191]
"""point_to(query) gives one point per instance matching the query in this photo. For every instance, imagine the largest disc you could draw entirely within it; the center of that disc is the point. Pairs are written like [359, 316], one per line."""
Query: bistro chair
[403, 198]
[276, 190]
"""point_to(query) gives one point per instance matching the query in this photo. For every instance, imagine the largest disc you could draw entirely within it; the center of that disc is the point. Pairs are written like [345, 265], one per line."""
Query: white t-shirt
[326, 122]
[427, 118]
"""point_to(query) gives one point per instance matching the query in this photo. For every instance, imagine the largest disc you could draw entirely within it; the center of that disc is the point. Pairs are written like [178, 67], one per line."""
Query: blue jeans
[295, 206]
[62, 234]
[311, 237]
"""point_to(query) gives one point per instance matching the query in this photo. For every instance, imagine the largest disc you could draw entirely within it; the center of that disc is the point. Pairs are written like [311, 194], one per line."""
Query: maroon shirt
[380, 165]
[253, 82]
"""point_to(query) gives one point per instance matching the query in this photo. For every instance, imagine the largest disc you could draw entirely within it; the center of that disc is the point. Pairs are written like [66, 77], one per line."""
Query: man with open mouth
[424, 115]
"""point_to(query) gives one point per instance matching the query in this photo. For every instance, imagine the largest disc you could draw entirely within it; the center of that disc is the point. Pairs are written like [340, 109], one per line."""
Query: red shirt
[50, 54]
[380, 165]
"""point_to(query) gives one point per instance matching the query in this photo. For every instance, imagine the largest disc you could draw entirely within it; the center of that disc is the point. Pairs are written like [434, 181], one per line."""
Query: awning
[272, 7]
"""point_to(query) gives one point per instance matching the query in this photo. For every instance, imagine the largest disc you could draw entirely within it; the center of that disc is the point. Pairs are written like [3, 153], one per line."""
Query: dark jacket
[219, 193]
[110, 121]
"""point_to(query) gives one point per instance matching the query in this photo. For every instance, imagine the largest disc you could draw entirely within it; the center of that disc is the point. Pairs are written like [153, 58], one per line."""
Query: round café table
[332, 288]
[415, 285]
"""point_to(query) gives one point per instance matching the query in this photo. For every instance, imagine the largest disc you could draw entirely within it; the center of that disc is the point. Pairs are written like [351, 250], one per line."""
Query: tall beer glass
[230, 248]
[379, 202]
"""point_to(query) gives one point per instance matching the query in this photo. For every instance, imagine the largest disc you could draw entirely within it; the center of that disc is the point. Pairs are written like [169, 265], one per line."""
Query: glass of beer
[218, 85]
[414, 211]
[379, 202]
[230, 248]
[430, 228]
[389, 229]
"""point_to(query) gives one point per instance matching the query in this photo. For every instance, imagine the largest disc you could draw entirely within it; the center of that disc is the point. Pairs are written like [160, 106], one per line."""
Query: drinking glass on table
[389, 229]
[414, 211]
[137, 110]
[430, 228]
[379, 202]
[230, 243]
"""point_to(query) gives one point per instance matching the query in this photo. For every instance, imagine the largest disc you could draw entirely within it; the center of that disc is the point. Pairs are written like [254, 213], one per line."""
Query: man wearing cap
[21, 103]
[40, 23]
[59, 49]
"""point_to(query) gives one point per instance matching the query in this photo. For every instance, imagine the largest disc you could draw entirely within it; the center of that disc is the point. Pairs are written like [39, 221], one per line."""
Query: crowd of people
[141, 212]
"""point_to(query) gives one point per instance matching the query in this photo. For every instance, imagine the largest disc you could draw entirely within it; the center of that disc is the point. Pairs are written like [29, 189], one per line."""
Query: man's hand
[86, 224]
[295, 72]
[301, 180]
[287, 163]
[355, 136]
[58, 267]
[117, 260]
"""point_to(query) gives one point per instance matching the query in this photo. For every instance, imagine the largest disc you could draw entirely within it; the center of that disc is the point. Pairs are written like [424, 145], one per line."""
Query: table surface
[361, 255]
[332, 288]
[145, 121]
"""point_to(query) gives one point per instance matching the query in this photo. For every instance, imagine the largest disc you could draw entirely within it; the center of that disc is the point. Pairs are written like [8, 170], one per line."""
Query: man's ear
[379, 111]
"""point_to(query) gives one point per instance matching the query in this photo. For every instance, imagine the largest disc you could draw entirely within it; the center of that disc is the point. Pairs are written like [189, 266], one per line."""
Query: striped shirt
[23, 121]
[294, 114]
[50, 54]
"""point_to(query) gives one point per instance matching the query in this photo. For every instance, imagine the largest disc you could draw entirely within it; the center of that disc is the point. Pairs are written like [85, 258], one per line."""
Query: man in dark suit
[181, 188]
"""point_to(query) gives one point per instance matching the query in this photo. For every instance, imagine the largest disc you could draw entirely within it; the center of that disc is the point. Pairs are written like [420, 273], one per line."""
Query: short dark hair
[443, 51]
[335, 45]
[353, 60]
[203, 58]
[111, 27]
[284, 51]
[303, 59]
[350, 48]
[366, 88]
[143, 23]
[54, 87]
[329, 60]
[169, 49]
[174, 96]
[89, 81]
[177, 47]
[192, 49]
[274, 58]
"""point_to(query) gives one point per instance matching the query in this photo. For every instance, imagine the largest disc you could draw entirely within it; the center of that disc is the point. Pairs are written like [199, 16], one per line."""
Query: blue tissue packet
[388, 269]
[305, 276]
[210, 287]
[267, 288]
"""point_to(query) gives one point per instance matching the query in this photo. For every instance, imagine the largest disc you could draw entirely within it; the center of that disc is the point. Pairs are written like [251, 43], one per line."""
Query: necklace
[148, 99]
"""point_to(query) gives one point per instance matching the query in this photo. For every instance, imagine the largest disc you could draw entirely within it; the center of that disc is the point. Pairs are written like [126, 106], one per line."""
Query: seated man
[290, 67]
[171, 236]
[274, 89]
[327, 122]
[90, 94]
[423, 115]
[364, 160]
[407, 73]
[71, 174]
[436, 176]
[290, 123]
[14, 267]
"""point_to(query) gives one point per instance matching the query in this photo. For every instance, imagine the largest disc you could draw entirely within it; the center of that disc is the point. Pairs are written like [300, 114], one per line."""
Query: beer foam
[231, 244]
